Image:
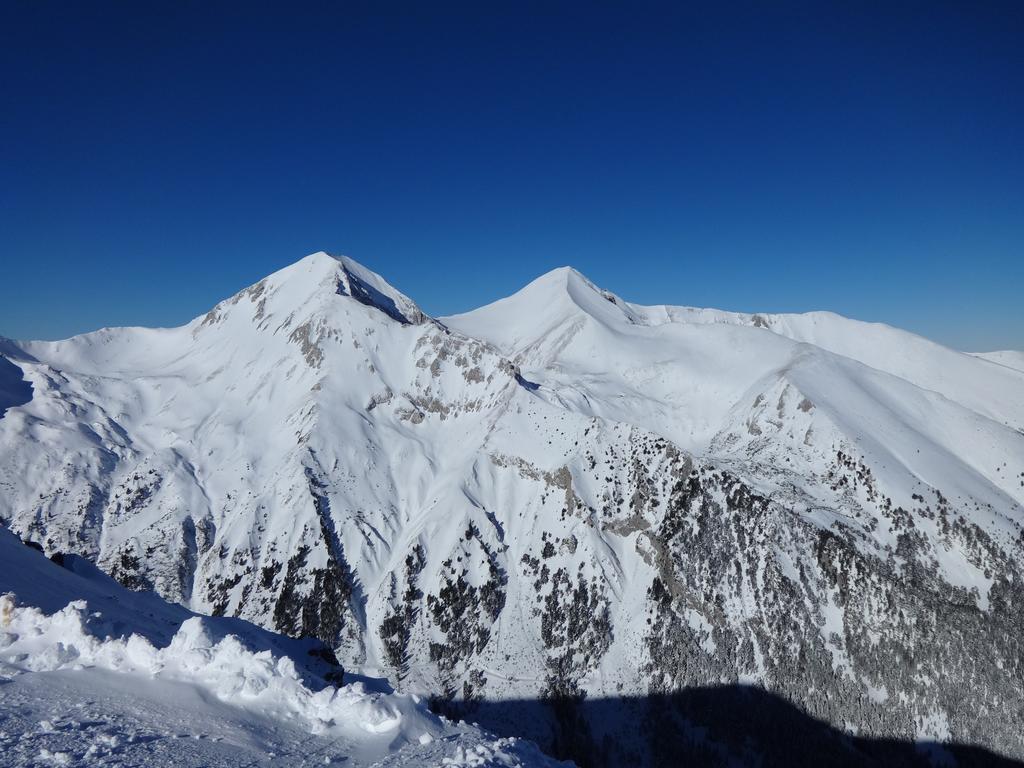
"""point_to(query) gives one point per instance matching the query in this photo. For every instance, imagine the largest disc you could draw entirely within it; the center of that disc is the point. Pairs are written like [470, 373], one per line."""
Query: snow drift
[199, 675]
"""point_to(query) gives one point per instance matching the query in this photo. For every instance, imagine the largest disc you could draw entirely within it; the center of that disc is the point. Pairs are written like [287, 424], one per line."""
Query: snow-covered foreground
[76, 689]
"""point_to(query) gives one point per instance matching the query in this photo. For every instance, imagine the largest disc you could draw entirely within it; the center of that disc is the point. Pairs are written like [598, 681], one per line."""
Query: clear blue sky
[157, 157]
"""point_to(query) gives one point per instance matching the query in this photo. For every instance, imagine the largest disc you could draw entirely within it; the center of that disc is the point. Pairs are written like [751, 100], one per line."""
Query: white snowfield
[687, 373]
[558, 494]
[323, 362]
[76, 690]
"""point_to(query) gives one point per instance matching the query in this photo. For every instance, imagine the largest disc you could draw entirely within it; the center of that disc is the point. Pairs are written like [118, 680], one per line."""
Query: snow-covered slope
[558, 495]
[91, 674]
[1008, 358]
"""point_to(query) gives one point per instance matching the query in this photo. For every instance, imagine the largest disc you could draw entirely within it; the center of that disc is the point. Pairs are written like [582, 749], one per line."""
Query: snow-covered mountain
[561, 496]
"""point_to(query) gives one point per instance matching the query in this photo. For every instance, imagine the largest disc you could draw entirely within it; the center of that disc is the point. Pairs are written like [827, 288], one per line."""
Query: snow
[707, 380]
[215, 406]
[259, 683]
[76, 690]
[1008, 358]
[196, 450]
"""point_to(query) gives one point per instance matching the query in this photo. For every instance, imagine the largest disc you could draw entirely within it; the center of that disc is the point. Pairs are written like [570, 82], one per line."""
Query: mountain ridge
[624, 500]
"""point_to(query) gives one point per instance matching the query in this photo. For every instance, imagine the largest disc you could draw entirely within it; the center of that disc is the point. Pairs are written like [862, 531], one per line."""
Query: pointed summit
[322, 273]
[369, 288]
[310, 287]
[557, 298]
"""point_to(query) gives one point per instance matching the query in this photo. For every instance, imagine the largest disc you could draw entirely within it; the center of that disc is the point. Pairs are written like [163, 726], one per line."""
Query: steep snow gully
[635, 535]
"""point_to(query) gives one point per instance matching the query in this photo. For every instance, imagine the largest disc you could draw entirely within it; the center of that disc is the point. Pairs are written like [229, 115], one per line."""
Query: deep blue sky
[155, 158]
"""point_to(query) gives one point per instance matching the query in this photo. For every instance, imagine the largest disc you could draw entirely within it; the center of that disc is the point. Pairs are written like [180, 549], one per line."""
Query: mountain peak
[320, 277]
[367, 287]
[562, 277]
[563, 295]
[407, 490]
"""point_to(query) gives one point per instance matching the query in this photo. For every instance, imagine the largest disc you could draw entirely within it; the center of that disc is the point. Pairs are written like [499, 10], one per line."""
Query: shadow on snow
[724, 725]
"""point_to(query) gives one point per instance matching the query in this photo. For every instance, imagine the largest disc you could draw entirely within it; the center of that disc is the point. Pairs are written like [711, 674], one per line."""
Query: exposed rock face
[562, 499]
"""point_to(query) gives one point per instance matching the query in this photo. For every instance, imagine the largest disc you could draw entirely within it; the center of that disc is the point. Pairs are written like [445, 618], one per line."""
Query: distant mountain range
[557, 500]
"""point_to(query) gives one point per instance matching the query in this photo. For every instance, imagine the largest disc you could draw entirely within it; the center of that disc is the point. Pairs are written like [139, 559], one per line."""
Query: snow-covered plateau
[635, 535]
